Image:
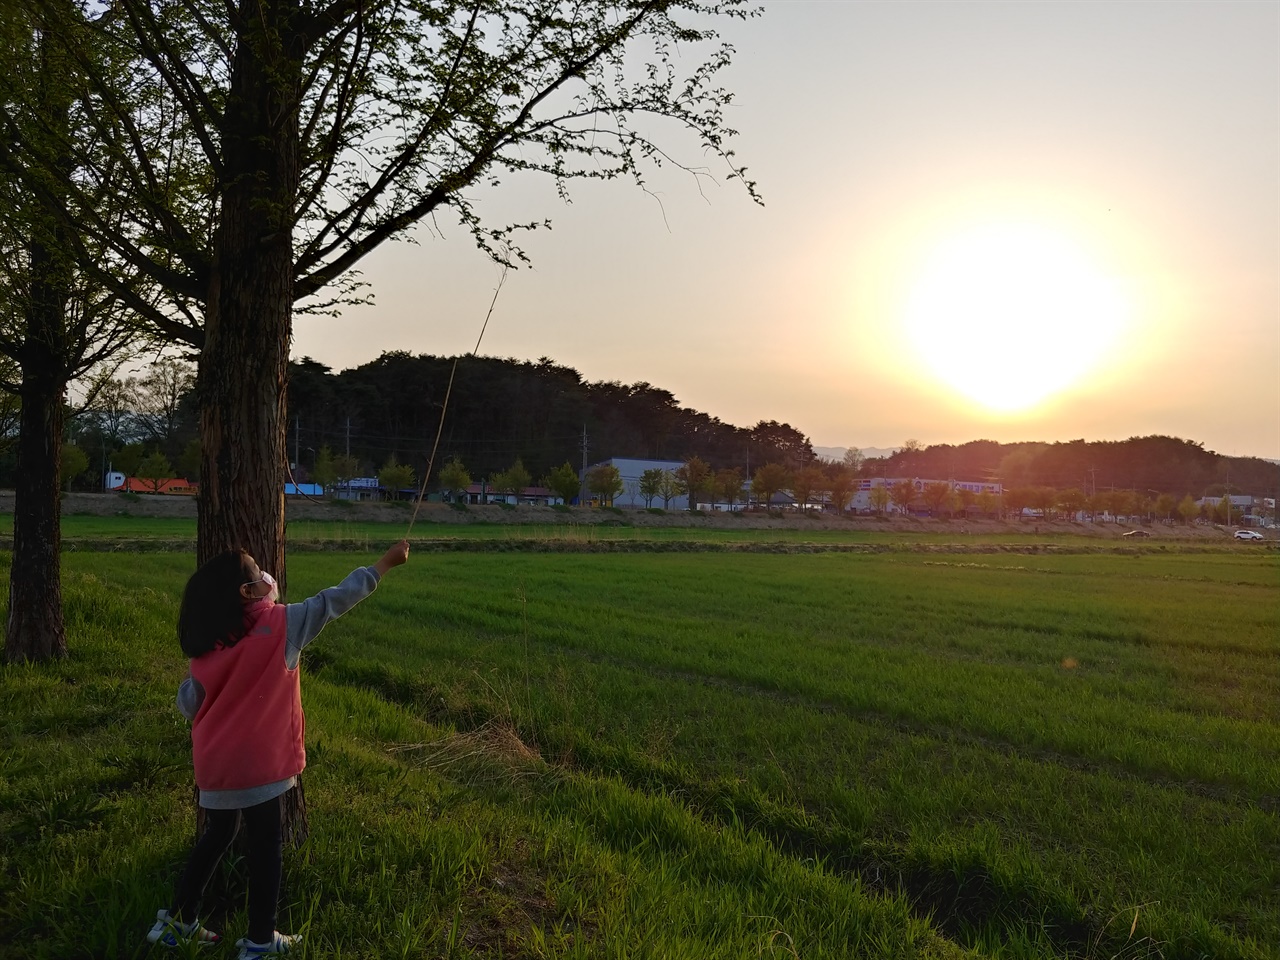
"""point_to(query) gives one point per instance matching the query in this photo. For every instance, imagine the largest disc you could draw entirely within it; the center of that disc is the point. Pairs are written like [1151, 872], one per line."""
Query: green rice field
[693, 754]
[124, 532]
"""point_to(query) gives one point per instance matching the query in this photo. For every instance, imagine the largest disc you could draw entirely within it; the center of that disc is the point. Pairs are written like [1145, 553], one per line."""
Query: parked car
[1136, 534]
[1248, 535]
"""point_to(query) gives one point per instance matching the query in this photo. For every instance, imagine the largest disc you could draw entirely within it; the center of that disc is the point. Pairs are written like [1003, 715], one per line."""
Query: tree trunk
[35, 629]
[241, 380]
[243, 364]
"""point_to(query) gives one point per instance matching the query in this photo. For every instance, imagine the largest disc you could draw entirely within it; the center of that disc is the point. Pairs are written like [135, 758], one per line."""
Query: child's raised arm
[397, 554]
[305, 620]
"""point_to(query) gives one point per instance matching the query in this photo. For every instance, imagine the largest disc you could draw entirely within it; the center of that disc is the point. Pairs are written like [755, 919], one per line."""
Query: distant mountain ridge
[837, 453]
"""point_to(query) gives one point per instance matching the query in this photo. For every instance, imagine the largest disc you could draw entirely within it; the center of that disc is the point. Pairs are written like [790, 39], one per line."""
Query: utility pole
[348, 453]
[296, 462]
[582, 482]
[1227, 496]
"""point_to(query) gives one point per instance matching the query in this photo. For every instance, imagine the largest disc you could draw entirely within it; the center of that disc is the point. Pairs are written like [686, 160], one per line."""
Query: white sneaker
[169, 932]
[280, 943]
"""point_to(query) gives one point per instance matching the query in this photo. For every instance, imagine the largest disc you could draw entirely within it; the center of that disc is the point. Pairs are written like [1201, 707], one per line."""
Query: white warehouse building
[630, 471]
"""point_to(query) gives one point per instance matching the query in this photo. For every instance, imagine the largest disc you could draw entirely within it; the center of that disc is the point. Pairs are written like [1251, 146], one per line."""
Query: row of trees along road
[254, 152]
[356, 423]
[374, 419]
[144, 426]
[833, 485]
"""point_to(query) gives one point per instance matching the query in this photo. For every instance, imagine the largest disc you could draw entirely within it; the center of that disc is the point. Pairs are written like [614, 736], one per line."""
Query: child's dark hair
[212, 611]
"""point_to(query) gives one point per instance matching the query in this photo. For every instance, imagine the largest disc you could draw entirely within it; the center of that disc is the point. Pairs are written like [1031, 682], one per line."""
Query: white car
[1248, 535]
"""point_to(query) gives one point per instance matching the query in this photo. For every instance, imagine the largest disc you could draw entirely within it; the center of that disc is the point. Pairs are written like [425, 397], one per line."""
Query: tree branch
[91, 224]
[184, 85]
[482, 155]
[318, 24]
[315, 250]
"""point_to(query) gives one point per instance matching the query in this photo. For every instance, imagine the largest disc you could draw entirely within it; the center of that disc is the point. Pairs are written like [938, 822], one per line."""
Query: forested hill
[501, 409]
[1142, 464]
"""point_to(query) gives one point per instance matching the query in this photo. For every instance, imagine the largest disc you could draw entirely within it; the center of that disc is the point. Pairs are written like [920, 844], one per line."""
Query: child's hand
[396, 555]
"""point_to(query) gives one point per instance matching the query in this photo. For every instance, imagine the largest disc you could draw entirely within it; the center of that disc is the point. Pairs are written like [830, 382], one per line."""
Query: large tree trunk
[241, 378]
[35, 629]
[241, 381]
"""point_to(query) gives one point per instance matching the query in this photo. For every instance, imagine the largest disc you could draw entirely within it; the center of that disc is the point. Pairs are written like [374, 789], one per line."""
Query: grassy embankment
[701, 755]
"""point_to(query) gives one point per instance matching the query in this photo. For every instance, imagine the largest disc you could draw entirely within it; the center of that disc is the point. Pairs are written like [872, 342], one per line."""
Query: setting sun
[1010, 314]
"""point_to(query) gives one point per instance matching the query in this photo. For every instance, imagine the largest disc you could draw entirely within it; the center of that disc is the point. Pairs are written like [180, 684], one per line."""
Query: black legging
[262, 826]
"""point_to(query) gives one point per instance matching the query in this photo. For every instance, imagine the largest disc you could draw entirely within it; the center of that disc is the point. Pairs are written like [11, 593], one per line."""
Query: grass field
[897, 754]
[135, 532]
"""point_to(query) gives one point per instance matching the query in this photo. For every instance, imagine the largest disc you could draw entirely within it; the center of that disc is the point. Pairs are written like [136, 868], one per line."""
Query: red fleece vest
[249, 729]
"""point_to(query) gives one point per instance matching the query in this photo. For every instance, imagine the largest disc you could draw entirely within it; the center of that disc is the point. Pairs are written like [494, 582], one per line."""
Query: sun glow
[1011, 314]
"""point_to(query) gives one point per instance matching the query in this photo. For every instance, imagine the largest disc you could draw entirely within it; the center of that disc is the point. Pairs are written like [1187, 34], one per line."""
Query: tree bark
[241, 379]
[35, 629]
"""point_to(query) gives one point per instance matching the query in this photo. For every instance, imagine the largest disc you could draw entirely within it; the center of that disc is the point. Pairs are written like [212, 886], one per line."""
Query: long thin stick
[445, 407]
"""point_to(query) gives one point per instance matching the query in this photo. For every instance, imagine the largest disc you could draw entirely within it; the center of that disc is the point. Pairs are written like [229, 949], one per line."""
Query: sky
[1006, 221]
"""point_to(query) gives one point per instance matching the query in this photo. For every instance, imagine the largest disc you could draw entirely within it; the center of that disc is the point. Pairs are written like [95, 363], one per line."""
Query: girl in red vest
[244, 702]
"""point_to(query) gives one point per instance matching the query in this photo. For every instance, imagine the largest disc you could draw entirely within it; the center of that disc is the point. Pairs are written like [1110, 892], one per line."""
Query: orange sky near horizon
[1000, 221]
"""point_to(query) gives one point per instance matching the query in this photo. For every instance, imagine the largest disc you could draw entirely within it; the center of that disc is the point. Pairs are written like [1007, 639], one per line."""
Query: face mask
[270, 581]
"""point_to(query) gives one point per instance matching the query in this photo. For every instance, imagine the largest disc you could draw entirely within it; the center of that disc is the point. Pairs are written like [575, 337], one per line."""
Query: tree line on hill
[508, 420]
[500, 409]
[389, 410]
[1152, 464]
[539, 411]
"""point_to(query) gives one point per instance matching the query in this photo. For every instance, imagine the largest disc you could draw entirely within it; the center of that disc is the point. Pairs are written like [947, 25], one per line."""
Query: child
[243, 698]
